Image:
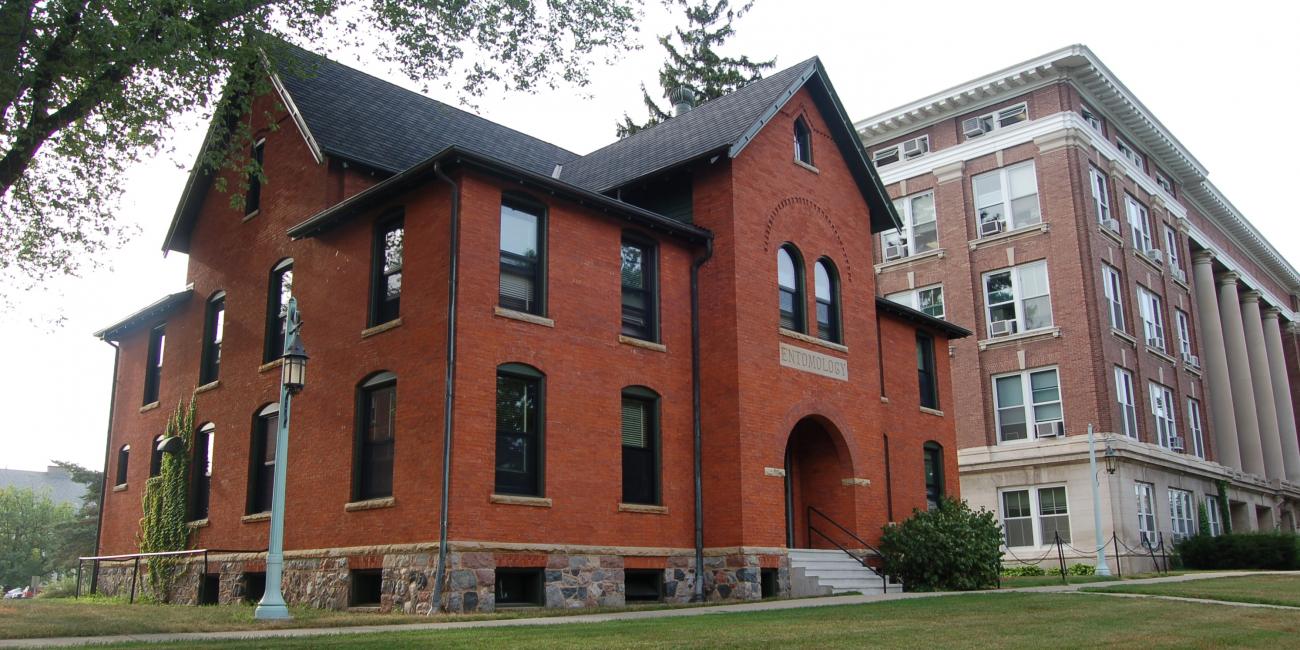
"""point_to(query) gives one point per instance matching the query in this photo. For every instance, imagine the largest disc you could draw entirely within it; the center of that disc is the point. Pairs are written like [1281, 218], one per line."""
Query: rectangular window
[1100, 197]
[1006, 199]
[640, 301]
[386, 271]
[1114, 288]
[906, 150]
[1017, 299]
[1213, 515]
[518, 452]
[520, 587]
[1162, 407]
[1171, 249]
[1028, 403]
[214, 329]
[919, 233]
[640, 452]
[202, 472]
[277, 309]
[375, 443]
[1153, 320]
[1127, 402]
[1091, 118]
[1035, 516]
[262, 475]
[1183, 323]
[253, 199]
[1146, 510]
[1195, 428]
[925, 371]
[1164, 183]
[1017, 518]
[933, 474]
[925, 299]
[974, 127]
[1130, 154]
[1140, 221]
[154, 362]
[1181, 514]
[522, 258]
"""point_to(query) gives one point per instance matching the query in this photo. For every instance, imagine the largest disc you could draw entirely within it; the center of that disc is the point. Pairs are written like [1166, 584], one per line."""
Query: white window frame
[1182, 517]
[1113, 285]
[1194, 427]
[1162, 407]
[1090, 116]
[1036, 513]
[1027, 404]
[1127, 402]
[1100, 194]
[1153, 319]
[907, 234]
[1146, 511]
[1017, 298]
[1164, 182]
[1130, 153]
[1006, 199]
[895, 151]
[995, 120]
[1213, 516]
[1139, 218]
[1171, 248]
[912, 298]
[1182, 323]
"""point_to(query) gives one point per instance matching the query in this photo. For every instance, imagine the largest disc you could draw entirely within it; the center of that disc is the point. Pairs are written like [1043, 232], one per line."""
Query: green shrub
[1023, 570]
[1081, 569]
[1271, 550]
[64, 587]
[949, 548]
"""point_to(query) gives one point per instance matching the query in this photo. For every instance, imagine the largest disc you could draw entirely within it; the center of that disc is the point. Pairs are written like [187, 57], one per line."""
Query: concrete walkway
[762, 606]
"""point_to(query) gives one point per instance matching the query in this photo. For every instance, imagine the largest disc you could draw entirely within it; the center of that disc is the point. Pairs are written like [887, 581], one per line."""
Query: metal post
[1102, 568]
[1119, 570]
[134, 572]
[1060, 553]
[77, 594]
[94, 576]
[272, 606]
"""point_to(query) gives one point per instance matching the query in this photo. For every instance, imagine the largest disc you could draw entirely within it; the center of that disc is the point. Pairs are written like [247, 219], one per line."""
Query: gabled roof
[147, 315]
[920, 318]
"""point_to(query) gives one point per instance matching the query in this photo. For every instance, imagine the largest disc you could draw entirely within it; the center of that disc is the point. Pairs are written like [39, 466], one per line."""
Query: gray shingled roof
[709, 127]
[54, 482]
[367, 120]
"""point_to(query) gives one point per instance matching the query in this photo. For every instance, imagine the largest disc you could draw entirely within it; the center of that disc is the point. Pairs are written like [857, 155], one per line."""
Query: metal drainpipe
[108, 445]
[695, 408]
[450, 394]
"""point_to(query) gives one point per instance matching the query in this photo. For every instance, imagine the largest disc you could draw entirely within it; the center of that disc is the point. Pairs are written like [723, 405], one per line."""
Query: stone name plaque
[814, 362]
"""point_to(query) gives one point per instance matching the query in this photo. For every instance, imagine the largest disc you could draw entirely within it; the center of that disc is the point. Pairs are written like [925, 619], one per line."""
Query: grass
[1263, 589]
[1007, 620]
[1013, 582]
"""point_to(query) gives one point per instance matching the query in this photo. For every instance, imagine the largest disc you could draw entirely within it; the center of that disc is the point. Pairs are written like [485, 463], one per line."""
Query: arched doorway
[816, 464]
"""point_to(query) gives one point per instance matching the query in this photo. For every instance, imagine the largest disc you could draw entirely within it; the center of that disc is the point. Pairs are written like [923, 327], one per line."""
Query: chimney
[683, 99]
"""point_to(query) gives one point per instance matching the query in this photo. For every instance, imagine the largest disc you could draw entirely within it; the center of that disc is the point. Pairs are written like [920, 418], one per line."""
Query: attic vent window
[906, 150]
[802, 142]
[974, 127]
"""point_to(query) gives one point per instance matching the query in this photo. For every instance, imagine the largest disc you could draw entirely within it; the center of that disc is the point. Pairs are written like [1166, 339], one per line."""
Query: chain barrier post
[1119, 570]
[1060, 554]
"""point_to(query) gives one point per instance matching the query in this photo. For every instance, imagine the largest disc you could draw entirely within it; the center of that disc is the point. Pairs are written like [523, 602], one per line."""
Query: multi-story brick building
[666, 352]
[1110, 285]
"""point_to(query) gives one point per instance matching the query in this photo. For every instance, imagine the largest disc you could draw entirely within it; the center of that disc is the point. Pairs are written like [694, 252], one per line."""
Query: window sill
[931, 411]
[255, 518]
[120, 488]
[212, 385]
[642, 508]
[856, 482]
[884, 400]
[197, 523]
[1181, 282]
[807, 166]
[522, 316]
[250, 215]
[1142, 255]
[1023, 231]
[1162, 355]
[1116, 237]
[149, 407]
[933, 254]
[271, 365]
[1192, 370]
[1032, 335]
[799, 336]
[370, 504]
[642, 343]
[381, 328]
[516, 500]
[1124, 336]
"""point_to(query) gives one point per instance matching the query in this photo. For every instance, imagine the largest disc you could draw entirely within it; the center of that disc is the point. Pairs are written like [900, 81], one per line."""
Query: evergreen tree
[694, 63]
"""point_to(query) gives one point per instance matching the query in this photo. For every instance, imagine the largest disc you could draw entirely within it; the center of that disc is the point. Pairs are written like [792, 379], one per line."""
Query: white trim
[1035, 511]
[1127, 401]
[1027, 404]
[1017, 296]
[907, 234]
[294, 112]
[1165, 412]
[912, 298]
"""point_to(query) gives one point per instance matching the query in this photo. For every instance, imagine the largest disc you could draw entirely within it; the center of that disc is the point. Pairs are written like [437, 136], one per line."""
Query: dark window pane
[155, 457]
[214, 329]
[376, 471]
[153, 364]
[277, 310]
[640, 441]
[518, 440]
[253, 199]
[386, 288]
[925, 371]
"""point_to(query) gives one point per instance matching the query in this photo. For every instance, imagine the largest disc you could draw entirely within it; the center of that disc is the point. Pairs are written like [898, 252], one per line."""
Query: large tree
[694, 63]
[29, 535]
[90, 87]
[77, 535]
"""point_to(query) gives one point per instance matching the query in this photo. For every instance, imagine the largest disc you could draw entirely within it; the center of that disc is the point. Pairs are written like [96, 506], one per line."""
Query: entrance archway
[816, 464]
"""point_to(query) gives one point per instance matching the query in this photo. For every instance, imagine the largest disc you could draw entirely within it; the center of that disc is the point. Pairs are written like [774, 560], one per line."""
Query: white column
[1223, 419]
[1243, 393]
[1282, 394]
[1260, 382]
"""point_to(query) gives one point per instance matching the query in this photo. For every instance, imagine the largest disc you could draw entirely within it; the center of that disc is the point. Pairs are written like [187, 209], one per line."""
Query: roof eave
[155, 309]
[921, 318]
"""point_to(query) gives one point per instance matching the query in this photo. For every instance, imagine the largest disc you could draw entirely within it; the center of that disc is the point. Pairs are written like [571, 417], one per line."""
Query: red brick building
[666, 352]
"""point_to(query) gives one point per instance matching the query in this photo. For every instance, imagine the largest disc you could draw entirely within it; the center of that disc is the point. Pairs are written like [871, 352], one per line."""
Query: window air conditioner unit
[895, 251]
[916, 147]
[1156, 255]
[1002, 327]
[1155, 342]
[1112, 223]
[1180, 275]
[1176, 443]
[973, 127]
[1051, 429]
[1191, 360]
[990, 227]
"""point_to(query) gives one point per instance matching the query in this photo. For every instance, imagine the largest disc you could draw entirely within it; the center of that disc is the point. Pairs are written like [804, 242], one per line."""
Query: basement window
[254, 586]
[367, 587]
[519, 587]
[210, 589]
[644, 585]
[768, 583]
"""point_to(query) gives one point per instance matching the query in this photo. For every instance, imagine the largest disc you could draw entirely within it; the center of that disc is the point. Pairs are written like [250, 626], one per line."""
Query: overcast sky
[1221, 76]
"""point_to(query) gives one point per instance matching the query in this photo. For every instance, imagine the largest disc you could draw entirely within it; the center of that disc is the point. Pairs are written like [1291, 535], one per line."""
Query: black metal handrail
[135, 569]
[863, 559]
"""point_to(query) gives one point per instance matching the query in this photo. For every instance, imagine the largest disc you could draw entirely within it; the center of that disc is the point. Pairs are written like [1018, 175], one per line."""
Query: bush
[64, 587]
[949, 548]
[1030, 570]
[1273, 550]
[1081, 569]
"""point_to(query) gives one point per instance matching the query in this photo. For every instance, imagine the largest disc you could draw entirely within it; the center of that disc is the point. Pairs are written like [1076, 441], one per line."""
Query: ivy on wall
[166, 506]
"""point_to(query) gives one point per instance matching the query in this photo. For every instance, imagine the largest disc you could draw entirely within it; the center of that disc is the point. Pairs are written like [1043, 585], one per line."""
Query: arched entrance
[816, 464]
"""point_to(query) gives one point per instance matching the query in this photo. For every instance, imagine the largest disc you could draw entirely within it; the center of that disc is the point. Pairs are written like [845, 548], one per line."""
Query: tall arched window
[520, 423]
[201, 471]
[214, 325]
[376, 415]
[640, 437]
[789, 277]
[123, 460]
[155, 456]
[802, 141]
[386, 269]
[933, 474]
[278, 293]
[261, 471]
[827, 291]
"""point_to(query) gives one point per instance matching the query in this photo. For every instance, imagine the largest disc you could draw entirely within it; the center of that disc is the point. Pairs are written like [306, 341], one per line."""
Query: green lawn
[1265, 589]
[1003, 620]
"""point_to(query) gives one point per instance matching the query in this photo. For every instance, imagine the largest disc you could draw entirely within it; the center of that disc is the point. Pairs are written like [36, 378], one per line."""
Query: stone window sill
[120, 488]
[642, 508]
[642, 343]
[856, 482]
[212, 385]
[252, 214]
[807, 166]
[271, 365]
[1116, 237]
[934, 254]
[1023, 231]
[931, 411]
[516, 500]
[381, 328]
[1159, 268]
[1162, 355]
[149, 407]
[370, 504]
[884, 400]
[254, 518]
[777, 472]
[1032, 335]
[1124, 336]
[799, 336]
[523, 316]
[1193, 370]
[197, 523]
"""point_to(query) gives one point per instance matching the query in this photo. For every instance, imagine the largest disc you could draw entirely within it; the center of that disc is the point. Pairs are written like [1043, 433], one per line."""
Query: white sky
[1211, 72]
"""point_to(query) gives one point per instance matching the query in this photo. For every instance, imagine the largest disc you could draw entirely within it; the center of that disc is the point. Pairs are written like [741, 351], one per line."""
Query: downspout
[449, 397]
[695, 415]
[108, 445]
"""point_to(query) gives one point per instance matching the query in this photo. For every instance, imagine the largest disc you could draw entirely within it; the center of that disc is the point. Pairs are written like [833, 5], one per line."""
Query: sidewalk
[770, 605]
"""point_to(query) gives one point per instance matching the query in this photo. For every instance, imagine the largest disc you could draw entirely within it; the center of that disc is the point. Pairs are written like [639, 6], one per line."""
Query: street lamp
[1103, 569]
[293, 375]
[1112, 457]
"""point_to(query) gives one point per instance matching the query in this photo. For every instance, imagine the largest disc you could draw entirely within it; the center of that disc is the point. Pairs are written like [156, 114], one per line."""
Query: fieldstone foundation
[574, 581]
[408, 582]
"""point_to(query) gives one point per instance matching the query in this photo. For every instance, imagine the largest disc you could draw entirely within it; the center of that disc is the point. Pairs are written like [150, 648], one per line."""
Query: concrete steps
[820, 572]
